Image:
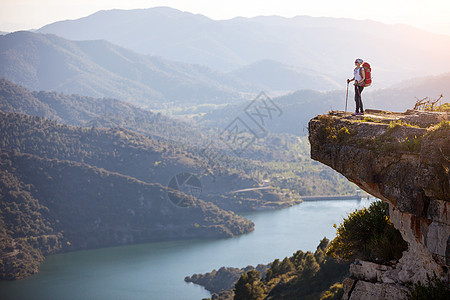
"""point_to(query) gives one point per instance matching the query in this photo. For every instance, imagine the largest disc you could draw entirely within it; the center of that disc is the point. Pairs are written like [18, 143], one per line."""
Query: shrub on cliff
[335, 292]
[444, 107]
[368, 234]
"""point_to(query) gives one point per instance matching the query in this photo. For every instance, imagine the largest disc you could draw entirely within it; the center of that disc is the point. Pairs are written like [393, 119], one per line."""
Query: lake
[157, 270]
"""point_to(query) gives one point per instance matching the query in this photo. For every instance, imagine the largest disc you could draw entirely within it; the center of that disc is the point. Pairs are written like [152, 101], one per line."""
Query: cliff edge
[402, 159]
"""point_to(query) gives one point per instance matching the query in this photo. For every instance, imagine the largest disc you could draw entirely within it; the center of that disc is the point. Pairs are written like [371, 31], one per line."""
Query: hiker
[359, 78]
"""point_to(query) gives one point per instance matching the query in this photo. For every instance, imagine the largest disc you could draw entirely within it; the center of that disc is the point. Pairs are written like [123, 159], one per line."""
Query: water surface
[157, 270]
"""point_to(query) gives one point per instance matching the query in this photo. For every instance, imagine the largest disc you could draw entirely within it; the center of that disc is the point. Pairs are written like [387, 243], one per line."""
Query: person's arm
[350, 80]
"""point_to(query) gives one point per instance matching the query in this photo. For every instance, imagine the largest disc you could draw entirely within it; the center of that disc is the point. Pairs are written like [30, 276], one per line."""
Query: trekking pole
[346, 98]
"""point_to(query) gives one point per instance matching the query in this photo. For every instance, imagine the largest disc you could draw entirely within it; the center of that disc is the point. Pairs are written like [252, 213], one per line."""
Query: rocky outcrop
[403, 159]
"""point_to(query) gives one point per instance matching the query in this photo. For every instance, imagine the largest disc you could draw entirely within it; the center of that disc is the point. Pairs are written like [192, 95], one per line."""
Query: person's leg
[357, 98]
[361, 109]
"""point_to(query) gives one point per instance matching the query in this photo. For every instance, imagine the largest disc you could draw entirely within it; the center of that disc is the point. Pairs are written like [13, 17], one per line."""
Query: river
[157, 270]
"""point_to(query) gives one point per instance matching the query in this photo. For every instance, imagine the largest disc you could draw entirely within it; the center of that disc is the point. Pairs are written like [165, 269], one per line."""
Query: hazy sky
[432, 15]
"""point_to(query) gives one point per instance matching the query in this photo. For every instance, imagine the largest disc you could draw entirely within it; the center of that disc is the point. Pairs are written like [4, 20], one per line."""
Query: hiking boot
[355, 114]
[360, 114]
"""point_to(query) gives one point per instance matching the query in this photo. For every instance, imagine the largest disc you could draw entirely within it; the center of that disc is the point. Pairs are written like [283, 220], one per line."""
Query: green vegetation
[249, 287]
[368, 119]
[396, 138]
[333, 132]
[26, 235]
[368, 234]
[441, 130]
[222, 281]
[92, 112]
[398, 124]
[304, 275]
[445, 107]
[335, 292]
[301, 276]
[412, 145]
[434, 288]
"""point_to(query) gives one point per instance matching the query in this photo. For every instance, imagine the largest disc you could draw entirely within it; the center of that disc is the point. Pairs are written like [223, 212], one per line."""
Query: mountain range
[325, 45]
[270, 75]
[101, 69]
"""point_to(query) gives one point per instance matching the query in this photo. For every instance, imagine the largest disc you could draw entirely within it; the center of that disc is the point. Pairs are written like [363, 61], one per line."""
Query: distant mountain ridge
[326, 45]
[271, 75]
[101, 69]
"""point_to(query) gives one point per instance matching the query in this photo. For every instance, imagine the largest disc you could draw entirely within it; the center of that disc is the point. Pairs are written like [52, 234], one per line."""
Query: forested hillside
[283, 160]
[86, 111]
[114, 149]
[50, 205]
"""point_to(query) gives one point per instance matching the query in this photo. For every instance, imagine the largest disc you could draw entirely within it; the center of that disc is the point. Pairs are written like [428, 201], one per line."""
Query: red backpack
[367, 71]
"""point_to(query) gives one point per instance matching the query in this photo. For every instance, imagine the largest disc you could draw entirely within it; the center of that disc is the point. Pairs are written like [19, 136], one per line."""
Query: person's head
[358, 62]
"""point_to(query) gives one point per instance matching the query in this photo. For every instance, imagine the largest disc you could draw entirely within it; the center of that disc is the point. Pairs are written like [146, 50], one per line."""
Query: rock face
[403, 159]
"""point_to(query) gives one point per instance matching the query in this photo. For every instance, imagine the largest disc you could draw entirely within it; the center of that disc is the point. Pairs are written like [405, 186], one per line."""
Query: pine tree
[287, 266]
[323, 244]
[249, 287]
[311, 267]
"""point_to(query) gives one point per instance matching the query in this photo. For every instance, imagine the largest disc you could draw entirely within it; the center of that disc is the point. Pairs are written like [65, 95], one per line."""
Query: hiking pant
[359, 105]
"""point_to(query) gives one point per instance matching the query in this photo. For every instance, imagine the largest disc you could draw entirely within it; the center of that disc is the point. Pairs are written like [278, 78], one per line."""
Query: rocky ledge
[402, 159]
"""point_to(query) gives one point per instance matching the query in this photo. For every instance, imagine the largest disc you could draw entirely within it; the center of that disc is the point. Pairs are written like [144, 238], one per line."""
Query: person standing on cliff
[358, 77]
